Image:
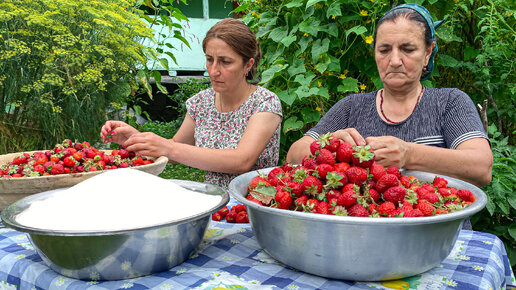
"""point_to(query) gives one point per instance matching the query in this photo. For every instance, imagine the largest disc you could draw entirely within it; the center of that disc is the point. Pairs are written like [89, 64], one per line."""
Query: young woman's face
[225, 67]
[400, 52]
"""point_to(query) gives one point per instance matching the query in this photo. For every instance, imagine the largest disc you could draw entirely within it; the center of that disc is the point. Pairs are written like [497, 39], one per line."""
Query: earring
[425, 69]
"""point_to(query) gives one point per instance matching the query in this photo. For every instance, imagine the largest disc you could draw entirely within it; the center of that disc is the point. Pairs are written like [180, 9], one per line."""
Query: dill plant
[62, 63]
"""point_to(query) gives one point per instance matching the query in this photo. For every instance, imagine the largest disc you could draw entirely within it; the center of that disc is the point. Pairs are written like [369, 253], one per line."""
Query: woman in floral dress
[229, 129]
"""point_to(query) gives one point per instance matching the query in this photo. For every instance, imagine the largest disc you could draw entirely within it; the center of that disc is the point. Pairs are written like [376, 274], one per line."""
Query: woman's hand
[389, 150]
[351, 136]
[149, 144]
[116, 132]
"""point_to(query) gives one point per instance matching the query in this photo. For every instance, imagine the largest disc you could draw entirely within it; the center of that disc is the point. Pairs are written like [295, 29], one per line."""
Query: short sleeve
[461, 120]
[269, 102]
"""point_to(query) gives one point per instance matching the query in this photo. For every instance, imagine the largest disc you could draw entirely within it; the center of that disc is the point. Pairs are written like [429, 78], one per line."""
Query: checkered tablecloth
[230, 258]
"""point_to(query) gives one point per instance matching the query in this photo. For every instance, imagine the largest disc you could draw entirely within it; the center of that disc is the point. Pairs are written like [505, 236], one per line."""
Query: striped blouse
[444, 117]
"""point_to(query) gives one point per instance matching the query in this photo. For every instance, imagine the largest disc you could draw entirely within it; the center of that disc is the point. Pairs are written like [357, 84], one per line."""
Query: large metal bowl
[115, 255]
[356, 248]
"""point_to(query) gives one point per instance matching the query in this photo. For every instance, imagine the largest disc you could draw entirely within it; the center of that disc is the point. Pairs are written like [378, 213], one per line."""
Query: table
[230, 257]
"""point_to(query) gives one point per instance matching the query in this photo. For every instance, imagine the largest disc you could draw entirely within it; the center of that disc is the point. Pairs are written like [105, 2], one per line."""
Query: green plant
[63, 59]
[499, 215]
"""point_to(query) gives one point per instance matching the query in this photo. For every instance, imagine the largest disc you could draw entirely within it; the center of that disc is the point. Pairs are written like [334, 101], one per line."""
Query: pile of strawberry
[340, 179]
[69, 157]
[237, 214]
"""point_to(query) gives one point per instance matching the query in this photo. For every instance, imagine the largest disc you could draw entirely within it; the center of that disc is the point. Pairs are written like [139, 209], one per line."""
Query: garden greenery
[316, 52]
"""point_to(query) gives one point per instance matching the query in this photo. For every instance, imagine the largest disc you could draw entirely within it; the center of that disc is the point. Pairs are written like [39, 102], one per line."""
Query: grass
[183, 172]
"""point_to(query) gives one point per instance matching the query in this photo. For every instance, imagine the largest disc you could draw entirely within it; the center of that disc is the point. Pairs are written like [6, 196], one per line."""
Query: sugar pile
[118, 199]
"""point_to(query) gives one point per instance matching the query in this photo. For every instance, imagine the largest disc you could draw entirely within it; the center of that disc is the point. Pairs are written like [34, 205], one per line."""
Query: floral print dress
[217, 130]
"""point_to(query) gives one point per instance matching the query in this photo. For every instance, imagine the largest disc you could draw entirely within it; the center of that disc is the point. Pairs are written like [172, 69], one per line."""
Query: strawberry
[372, 196]
[426, 208]
[330, 142]
[241, 217]
[78, 156]
[439, 182]
[347, 198]
[466, 195]
[287, 167]
[377, 171]
[322, 208]
[344, 152]
[42, 159]
[311, 205]
[322, 169]
[444, 191]
[38, 168]
[230, 218]
[333, 193]
[315, 146]
[395, 194]
[356, 175]
[69, 161]
[122, 152]
[386, 208]
[223, 211]
[362, 156]
[301, 201]
[239, 207]
[312, 185]
[325, 157]
[404, 180]
[295, 188]
[386, 181]
[341, 167]
[57, 169]
[335, 179]
[394, 170]
[20, 160]
[431, 197]
[274, 173]
[358, 210]
[339, 210]
[216, 216]
[309, 162]
[283, 199]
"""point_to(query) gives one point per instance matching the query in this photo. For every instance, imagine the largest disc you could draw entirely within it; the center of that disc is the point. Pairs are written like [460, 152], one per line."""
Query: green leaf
[303, 44]
[358, 30]
[490, 206]
[164, 63]
[446, 60]
[334, 9]
[334, 65]
[348, 85]
[332, 29]
[470, 53]
[312, 2]
[157, 79]
[323, 63]
[310, 26]
[319, 47]
[294, 4]
[323, 92]
[287, 41]
[278, 33]
[305, 92]
[272, 71]
[512, 201]
[297, 67]
[512, 232]
[292, 124]
[446, 34]
[310, 115]
[287, 97]
[304, 79]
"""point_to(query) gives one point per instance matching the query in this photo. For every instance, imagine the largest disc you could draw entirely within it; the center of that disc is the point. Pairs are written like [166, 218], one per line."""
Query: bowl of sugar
[120, 224]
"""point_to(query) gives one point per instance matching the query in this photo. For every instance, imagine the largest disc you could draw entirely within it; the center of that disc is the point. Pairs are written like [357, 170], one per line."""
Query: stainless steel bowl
[115, 255]
[356, 248]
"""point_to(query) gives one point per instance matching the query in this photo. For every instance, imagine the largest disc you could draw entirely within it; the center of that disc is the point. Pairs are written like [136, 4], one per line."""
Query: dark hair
[240, 38]
[409, 14]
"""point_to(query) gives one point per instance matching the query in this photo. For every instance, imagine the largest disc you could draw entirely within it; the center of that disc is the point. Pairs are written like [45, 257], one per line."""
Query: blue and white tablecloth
[230, 258]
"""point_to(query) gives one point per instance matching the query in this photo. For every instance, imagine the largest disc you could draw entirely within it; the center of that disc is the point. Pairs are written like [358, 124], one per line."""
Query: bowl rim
[8, 215]
[479, 203]
[159, 161]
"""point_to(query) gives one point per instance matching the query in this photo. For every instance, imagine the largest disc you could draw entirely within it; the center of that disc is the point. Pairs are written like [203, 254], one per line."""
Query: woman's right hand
[116, 132]
[351, 136]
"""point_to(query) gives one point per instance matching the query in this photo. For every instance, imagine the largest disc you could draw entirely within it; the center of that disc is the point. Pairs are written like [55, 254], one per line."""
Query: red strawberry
[377, 171]
[385, 182]
[358, 210]
[223, 211]
[363, 156]
[347, 198]
[239, 207]
[425, 207]
[373, 195]
[20, 160]
[341, 167]
[57, 169]
[309, 162]
[315, 146]
[333, 193]
[322, 208]
[439, 182]
[394, 170]
[231, 217]
[356, 175]
[444, 191]
[241, 217]
[311, 205]
[216, 216]
[431, 197]
[257, 181]
[312, 185]
[404, 180]
[344, 152]
[325, 157]
[295, 188]
[274, 172]
[466, 195]
[283, 199]
[69, 161]
[395, 194]
[287, 167]
[322, 170]
[332, 144]
[335, 179]
[386, 208]
[301, 201]
[42, 159]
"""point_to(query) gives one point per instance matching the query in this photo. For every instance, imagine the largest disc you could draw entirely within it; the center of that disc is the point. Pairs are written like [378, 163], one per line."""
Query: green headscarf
[432, 25]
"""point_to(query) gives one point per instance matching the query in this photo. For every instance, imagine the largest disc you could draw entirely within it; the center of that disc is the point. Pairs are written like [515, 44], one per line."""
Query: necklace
[381, 105]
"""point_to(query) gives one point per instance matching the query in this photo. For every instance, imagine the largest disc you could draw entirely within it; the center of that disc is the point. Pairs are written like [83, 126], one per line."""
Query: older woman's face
[225, 66]
[400, 52]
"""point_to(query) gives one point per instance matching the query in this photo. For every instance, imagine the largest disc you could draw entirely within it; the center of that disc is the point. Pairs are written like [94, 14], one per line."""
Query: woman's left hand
[148, 144]
[389, 150]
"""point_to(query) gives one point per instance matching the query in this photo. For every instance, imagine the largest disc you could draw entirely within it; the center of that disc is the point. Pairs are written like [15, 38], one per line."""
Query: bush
[62, 63]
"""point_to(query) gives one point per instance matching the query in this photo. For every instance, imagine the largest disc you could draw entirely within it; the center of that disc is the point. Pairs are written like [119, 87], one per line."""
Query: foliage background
[318, 51]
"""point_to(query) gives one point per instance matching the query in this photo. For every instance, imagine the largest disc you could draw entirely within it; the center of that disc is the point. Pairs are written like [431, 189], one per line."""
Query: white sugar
[119, 199]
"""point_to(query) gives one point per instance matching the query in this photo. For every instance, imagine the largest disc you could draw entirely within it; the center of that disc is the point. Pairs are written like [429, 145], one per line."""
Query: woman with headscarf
[407, 125]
